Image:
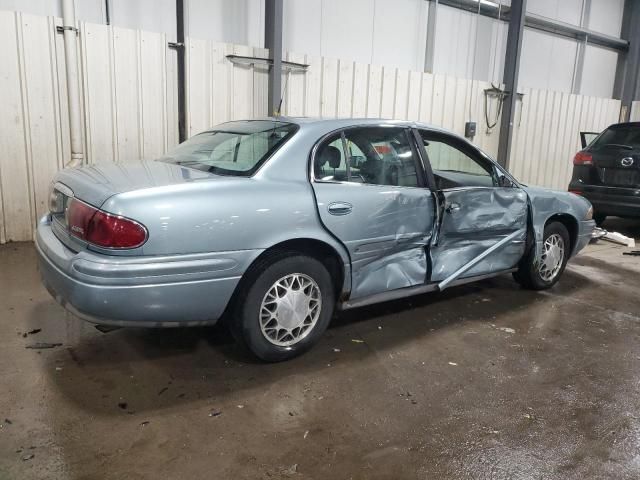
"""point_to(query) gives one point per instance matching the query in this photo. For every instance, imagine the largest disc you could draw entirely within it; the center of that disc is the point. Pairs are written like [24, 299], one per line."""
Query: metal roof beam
[539, 22]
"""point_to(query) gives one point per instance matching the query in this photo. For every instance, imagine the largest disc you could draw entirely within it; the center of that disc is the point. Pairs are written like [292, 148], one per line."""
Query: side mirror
[587, 137]
[505, 182]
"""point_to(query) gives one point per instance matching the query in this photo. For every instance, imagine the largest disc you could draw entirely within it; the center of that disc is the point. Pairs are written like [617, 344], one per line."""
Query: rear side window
[369, 155]
[619, 136]
[233, 148]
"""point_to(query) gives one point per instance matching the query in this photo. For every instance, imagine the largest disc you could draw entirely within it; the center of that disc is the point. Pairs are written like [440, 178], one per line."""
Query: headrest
[332, 155]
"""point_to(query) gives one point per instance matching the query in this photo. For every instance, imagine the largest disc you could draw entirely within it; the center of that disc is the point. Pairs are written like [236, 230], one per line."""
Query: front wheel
[284, 306]
[542, 273]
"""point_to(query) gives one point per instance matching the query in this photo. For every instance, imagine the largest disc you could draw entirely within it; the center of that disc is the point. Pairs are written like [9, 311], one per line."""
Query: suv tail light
[583, 158]
[103, 229]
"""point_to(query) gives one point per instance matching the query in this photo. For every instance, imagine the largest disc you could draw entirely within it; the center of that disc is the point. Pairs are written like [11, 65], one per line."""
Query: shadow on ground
[184, 364]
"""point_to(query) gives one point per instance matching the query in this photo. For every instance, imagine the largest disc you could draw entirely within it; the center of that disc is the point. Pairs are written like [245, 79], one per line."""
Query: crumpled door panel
[386, 233]
[474, 220]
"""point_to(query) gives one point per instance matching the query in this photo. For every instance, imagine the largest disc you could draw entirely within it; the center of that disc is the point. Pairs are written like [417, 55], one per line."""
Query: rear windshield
[619, 136]
[233, 148]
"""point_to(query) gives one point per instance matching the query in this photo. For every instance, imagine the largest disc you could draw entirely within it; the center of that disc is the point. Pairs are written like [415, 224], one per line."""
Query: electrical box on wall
[470, 129]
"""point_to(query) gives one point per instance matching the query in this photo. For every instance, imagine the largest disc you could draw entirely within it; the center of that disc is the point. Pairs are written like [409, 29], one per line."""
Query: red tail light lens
[583, 158]
[103, 229]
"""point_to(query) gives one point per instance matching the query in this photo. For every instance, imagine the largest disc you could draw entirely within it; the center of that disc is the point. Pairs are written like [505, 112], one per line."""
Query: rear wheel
[284, 306]
[542, 273]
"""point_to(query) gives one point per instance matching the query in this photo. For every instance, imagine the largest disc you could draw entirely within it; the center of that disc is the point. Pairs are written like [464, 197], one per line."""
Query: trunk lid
[95, 184]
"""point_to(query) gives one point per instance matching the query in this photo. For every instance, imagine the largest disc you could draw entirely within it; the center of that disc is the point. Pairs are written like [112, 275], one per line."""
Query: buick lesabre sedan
[273, 224]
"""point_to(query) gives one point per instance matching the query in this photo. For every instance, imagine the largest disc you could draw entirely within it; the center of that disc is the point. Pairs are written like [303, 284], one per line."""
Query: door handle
[452, 207]
[340, 208]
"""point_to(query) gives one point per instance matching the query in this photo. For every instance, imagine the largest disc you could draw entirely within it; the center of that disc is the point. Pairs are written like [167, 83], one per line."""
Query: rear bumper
[177, 290]
[618, 201]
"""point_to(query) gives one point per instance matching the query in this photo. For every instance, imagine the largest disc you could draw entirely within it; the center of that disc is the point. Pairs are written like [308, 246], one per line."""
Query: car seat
[333, 157]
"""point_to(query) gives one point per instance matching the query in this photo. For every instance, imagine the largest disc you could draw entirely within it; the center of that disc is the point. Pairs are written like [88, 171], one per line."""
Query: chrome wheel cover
[552, 257]
[290, 309]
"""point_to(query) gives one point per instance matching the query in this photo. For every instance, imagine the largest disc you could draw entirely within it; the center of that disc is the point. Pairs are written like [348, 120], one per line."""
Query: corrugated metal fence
[130, 105]
[635, 112]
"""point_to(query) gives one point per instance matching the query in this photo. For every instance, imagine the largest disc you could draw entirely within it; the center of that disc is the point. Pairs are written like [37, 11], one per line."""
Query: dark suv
[607, 171]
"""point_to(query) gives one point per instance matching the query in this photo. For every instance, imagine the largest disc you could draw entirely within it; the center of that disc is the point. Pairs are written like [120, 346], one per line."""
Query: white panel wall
[150, 15]
[343, 88]
[129, 80]
[218, 90]
[399, 33]
[606, 16]
[231, 21]
[32, 120]
[599, 72]
[635, 112]
[302, 26]
[547, 61]
[389, 32]
[384, 32]
[467, 47]
[128, 84]
[546, 134]
[568, 11]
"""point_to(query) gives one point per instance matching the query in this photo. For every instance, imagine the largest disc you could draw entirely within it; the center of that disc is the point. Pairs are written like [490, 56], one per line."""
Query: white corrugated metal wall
[129, 105]
[635, 112]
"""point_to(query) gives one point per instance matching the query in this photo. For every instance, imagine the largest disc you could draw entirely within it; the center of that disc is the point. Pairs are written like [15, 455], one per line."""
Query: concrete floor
[481, 381]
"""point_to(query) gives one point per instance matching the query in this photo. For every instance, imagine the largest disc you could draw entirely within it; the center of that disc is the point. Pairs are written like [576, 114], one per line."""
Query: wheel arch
[322, 251]
[570, 223]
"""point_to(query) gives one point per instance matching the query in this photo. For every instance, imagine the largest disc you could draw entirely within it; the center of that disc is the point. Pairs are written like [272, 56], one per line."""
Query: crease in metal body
[468, 266]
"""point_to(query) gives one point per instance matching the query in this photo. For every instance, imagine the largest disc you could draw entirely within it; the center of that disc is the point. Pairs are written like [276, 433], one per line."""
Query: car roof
[319, 124]
[342, 122]
[624, 124]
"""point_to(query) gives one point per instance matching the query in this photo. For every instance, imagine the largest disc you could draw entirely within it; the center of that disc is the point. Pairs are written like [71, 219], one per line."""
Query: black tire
[528, 274]
[245, 324]
[599, 218]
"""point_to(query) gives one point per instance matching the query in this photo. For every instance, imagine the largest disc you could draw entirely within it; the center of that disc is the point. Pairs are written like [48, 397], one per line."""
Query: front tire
[284, 306]
[543, 273]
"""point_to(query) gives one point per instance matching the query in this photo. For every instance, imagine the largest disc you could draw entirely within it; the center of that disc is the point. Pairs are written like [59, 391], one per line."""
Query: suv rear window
[619, 136]
[233, 148]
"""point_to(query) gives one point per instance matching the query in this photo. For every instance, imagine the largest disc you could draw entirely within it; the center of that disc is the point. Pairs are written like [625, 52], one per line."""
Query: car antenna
[277, 113]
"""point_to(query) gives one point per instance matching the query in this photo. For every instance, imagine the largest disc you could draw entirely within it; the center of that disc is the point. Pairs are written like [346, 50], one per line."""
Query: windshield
[619, 136]
[233, 148]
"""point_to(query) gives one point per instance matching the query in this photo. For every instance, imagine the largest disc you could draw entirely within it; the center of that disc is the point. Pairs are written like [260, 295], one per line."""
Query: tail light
[583, 158]
[103, 229]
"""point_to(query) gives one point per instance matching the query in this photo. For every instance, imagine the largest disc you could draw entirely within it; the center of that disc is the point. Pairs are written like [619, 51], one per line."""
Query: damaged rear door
[483, 215]
[371, 195]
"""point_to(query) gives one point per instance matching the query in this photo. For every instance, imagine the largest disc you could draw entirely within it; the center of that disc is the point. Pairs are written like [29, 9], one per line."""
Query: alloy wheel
[290, 309]
[552, 257]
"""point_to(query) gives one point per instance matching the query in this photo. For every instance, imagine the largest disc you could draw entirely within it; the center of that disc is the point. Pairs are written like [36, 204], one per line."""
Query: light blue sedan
[274, 223]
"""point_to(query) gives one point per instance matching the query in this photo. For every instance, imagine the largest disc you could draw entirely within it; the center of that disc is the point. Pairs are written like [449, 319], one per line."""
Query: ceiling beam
[539, 22]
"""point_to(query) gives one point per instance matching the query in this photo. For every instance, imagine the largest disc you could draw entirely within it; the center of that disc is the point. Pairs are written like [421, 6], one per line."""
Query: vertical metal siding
[549, 135]
[218, 90]
[130, 105]
[635, 112]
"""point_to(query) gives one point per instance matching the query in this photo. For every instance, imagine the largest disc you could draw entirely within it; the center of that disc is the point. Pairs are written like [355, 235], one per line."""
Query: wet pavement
[485, 381]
